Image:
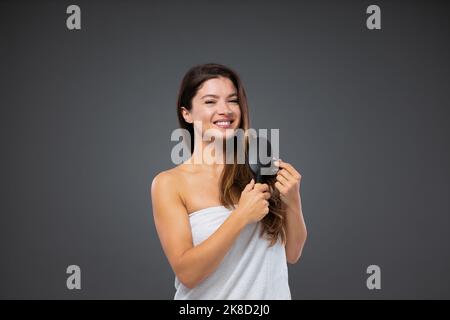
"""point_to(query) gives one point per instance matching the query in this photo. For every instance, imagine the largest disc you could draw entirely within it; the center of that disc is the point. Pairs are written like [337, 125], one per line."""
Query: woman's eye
[210, 102]
[234, 101]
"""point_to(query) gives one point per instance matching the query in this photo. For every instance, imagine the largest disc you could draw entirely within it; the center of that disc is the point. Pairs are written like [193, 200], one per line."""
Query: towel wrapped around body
[251, 270]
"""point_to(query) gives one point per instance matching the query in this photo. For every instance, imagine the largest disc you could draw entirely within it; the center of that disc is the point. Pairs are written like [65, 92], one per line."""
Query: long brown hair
[234, 176]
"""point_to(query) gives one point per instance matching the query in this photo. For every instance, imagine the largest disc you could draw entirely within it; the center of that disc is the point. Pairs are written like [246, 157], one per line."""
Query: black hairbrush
[262, 168]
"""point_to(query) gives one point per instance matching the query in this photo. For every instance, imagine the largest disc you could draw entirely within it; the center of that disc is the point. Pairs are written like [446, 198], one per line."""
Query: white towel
[250, 270]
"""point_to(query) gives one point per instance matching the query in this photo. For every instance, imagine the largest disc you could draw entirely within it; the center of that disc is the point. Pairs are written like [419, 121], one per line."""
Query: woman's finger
[284, 173]
[280, 187]
[262, 187]
[249, 186]
[289, 168]
[282, 180]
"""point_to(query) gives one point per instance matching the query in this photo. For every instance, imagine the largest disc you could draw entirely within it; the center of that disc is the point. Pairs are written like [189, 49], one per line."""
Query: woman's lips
[223, 124]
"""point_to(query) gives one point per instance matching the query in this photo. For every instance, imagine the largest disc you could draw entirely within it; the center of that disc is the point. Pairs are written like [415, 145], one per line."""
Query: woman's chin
[222, 133]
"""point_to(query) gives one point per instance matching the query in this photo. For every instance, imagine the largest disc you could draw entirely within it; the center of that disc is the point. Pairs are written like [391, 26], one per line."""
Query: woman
[225, 236]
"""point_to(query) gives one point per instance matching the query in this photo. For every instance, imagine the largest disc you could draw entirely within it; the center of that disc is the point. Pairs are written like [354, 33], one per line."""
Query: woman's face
[215, 106]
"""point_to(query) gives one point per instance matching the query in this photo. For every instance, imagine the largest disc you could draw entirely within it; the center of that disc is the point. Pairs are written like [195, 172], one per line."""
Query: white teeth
[223, 123]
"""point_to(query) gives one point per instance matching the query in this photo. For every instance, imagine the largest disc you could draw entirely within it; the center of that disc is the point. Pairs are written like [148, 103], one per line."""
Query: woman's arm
[295, 232]
[190, 264]
[288, 183]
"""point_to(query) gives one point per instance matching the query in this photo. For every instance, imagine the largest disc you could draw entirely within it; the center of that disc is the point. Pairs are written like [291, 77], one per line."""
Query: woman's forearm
[200, 261]
[295, 232]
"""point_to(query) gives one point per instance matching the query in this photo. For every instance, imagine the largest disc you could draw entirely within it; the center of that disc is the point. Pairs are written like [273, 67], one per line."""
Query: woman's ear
[186, 115]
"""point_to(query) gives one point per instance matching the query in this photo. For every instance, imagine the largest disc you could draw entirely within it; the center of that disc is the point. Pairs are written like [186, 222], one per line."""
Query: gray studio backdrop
[86, 118]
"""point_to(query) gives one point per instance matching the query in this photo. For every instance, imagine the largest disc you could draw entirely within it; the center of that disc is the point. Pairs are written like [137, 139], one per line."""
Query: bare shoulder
[167, 187]
[165, 180]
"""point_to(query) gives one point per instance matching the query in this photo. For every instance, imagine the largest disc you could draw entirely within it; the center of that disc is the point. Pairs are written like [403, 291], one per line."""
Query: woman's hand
[288, 183]
[253, 203]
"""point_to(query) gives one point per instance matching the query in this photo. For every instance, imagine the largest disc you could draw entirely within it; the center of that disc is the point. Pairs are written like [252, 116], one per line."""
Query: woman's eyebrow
[214, 96]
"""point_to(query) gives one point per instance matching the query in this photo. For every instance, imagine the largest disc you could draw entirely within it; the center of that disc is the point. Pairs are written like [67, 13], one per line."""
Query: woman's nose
[223, 108]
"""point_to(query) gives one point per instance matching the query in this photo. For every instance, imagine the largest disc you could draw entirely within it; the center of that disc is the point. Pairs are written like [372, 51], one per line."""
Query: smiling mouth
[223, 124]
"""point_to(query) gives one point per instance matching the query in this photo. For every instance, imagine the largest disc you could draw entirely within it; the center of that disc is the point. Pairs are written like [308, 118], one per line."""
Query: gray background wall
[86, 118]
